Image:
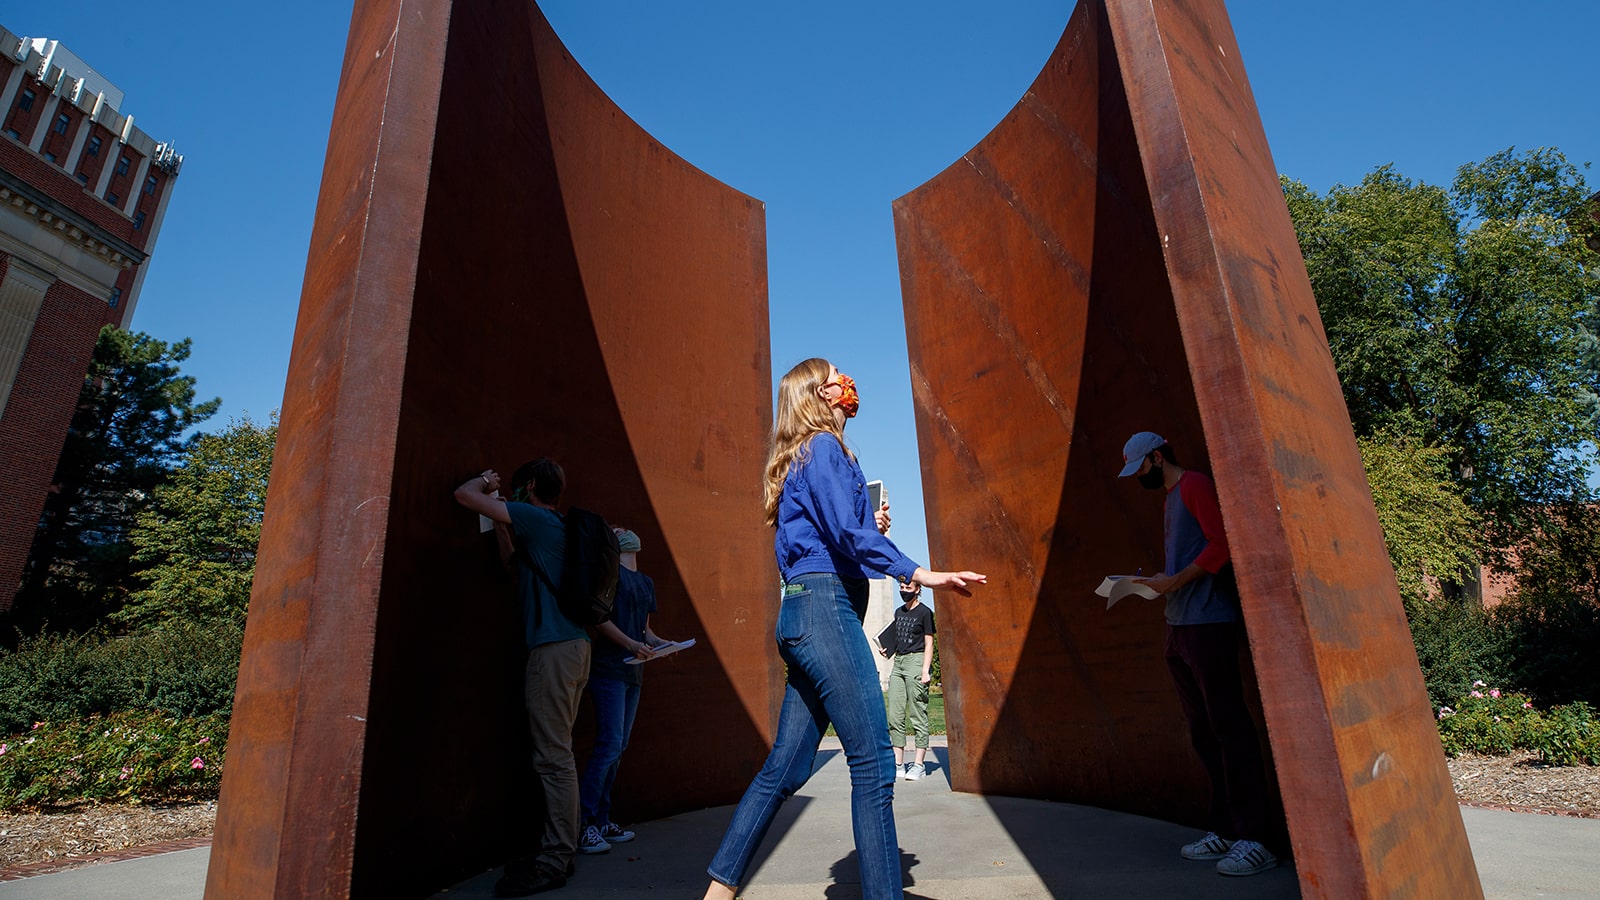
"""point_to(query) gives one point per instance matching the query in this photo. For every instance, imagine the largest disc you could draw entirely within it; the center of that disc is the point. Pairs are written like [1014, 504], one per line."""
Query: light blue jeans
[616, 702]
[832, 678]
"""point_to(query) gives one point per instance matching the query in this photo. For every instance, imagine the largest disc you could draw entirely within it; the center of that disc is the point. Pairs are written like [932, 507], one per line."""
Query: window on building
[49, 156]
[123, 164]
[116, 297]
[26, 103]
[83, 177]
[14, 134]
[150, 186]
[138, 221]
[63, 122]
[93, 147]
[111, 197]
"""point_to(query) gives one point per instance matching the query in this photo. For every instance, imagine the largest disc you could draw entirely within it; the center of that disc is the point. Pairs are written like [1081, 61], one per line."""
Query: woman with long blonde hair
[828, 544]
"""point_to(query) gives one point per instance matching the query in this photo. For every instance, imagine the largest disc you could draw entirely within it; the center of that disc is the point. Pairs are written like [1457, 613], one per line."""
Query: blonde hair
[802, 415]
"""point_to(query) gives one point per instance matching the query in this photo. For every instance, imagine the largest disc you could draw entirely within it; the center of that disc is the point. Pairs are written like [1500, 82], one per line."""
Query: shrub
[1569, 736]
[131, 757]
[1457, 643]
[186, 670]
[1488, 721]
[1552, 646]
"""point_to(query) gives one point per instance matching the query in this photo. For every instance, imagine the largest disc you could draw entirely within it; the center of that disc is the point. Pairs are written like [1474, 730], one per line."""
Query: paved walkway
[956, 847]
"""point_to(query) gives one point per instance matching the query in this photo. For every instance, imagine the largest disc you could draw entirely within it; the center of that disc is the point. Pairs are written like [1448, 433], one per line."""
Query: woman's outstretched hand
[955, 581]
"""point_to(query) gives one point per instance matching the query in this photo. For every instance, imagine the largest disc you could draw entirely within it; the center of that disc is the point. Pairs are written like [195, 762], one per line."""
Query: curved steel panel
[1116, 256]
[504, 266]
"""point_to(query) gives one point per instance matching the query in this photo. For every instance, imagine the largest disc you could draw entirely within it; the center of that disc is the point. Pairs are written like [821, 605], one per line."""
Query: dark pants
[1204, 660]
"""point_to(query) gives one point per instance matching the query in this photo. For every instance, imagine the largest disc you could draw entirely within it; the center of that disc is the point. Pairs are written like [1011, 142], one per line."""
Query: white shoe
[1246, 858]
[1209, 847]
[915, 771]
[900, 770]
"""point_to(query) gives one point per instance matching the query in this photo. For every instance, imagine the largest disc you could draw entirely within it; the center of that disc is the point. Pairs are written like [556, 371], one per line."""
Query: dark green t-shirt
[541, 532]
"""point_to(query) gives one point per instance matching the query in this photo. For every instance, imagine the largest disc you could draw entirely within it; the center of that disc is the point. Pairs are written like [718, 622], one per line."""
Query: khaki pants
[555, 678]
[907, 693]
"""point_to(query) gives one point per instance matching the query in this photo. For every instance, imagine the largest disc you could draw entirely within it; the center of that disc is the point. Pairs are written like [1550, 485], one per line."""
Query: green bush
[1569, 736]
[1497, 723]
[1486, 720]
[1457, 643]
[130, 757]
[1552, 646]
[183, 670]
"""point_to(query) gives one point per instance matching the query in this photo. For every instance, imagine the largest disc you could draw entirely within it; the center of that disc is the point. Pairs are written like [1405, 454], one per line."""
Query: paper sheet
[667, 649]
[1115, 587]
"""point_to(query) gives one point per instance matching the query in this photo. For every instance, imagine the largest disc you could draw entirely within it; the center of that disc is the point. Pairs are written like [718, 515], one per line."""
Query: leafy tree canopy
[197, 538]
[1432, 534]
[134, 412]
[1465, 318]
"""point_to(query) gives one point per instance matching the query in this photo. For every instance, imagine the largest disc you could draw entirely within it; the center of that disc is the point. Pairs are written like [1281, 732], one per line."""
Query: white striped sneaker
[1209, 847]
[1246, 858]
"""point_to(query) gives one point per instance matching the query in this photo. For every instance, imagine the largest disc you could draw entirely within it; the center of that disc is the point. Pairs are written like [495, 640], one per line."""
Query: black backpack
[588, 590]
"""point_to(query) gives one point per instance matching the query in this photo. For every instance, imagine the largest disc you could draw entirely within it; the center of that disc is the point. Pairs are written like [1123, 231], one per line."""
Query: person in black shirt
[909, 679]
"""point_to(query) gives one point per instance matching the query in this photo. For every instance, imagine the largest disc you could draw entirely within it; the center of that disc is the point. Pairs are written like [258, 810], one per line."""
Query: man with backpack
[554, 619]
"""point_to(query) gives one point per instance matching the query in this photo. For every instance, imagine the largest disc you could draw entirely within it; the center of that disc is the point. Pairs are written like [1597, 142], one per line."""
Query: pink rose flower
[3, 749]
[1527, 706]
[1495, 693]
[204, 740]
[198, 763]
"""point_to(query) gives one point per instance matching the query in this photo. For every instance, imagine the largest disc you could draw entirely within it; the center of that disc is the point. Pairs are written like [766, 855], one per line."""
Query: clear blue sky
[826, 111]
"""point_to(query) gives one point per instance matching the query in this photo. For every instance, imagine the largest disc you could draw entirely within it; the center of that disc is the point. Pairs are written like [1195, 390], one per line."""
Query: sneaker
[592, 842]
[900, 771]
[915, 771]
[1209, 847]
[616, 834]
[1246, 858]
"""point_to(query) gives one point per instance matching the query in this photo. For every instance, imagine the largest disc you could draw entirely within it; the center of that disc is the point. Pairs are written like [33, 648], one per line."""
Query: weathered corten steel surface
[503, 265]
[1117, 256]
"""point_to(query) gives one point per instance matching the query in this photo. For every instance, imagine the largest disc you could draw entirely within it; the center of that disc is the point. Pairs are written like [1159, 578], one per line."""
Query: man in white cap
[1204, 631]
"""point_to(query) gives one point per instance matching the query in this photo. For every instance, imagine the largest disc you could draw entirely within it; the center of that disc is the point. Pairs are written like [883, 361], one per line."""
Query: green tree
[196, 541]
[134, 410]
[1462, 317]
[1432, 535]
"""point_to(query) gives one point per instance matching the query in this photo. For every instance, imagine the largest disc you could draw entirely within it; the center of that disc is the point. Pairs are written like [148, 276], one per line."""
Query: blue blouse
[825, 524]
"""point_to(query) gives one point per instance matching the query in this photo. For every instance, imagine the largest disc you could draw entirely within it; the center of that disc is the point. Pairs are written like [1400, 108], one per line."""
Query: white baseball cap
[1136, 449]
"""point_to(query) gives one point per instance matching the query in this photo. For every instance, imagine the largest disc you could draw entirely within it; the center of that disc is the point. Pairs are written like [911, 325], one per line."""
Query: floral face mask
[849, 400]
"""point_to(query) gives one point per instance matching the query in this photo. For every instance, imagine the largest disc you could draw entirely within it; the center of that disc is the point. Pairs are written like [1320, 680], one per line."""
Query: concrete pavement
[955, 847]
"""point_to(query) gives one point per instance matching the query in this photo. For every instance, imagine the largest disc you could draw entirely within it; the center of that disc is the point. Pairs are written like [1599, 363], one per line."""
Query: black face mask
[1153, 480]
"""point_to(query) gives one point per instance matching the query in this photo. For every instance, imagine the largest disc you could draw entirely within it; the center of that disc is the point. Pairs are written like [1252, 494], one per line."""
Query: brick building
[82, 196]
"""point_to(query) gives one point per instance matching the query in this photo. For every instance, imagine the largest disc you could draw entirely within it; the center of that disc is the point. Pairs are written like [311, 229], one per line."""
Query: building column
[21, 295]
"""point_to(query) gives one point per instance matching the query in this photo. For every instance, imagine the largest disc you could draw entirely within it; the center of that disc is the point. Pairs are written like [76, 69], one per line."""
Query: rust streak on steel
[1169, 295]
[503, 265]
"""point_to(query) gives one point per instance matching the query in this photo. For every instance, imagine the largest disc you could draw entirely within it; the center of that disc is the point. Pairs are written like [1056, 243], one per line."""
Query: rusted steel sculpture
[503, 265]
[1117, 256]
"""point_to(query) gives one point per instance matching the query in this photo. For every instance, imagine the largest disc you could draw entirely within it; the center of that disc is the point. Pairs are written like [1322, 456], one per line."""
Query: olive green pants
[908, 698]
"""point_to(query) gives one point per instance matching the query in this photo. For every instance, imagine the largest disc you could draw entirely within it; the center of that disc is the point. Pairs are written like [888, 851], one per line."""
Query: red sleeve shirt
[1199, 496]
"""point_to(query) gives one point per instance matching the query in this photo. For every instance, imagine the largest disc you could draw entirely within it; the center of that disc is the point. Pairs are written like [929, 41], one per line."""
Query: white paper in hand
[1115, 587]
[667, 649]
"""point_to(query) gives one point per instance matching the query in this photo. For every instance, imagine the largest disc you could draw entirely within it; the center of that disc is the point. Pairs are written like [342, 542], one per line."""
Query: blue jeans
[832, 678]
[615, 704]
